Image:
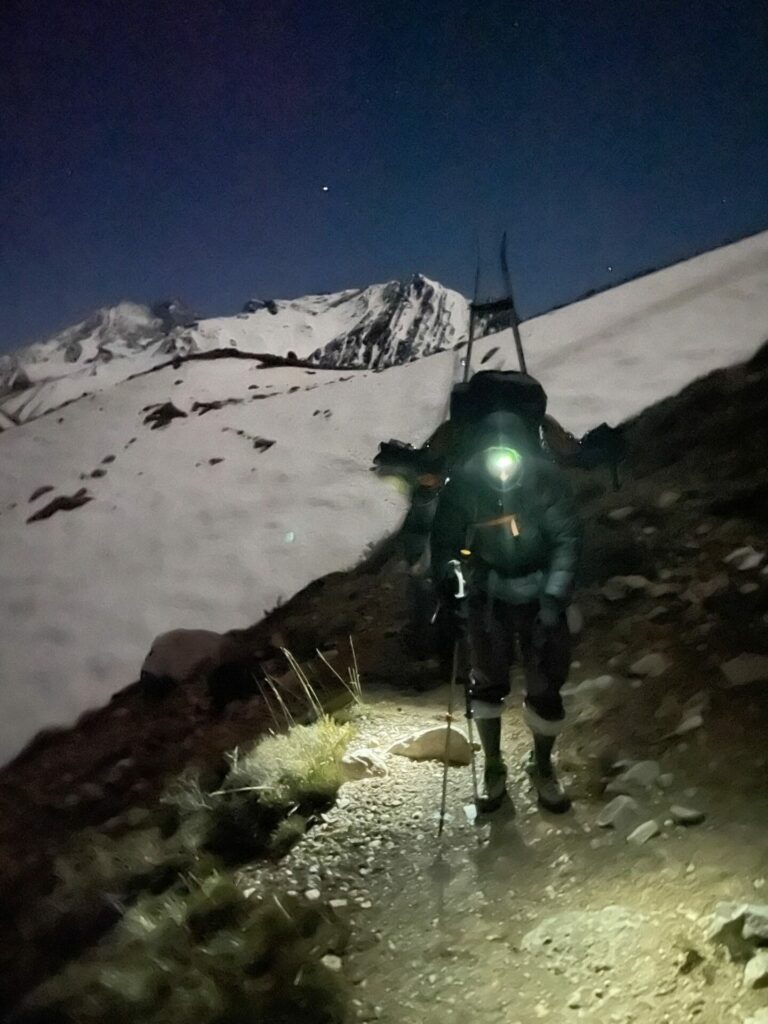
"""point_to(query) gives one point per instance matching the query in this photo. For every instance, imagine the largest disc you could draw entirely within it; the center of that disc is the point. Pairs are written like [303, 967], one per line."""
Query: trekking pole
[448, 726]
[459, 662]
[471, 736]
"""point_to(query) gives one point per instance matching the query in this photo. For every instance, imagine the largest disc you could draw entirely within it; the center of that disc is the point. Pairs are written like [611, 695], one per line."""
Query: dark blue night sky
[150, 149]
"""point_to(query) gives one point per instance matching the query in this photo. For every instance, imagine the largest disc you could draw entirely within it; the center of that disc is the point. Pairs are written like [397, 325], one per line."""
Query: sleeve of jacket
[415, 531]
[449, 529]
[563, 531]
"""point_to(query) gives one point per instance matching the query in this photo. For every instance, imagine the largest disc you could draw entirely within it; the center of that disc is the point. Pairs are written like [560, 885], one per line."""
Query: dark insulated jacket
[524, 541]
[415, 531]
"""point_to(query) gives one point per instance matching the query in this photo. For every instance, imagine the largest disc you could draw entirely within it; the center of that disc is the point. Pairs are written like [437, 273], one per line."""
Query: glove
[446, 590]
[550, 612]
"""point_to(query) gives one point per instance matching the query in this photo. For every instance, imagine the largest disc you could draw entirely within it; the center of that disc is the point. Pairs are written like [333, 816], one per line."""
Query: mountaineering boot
[495, 786]
[495, 774]
[552, 796]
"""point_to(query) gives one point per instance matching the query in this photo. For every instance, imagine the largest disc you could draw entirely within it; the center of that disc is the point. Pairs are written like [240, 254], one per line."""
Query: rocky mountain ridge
[367, 328]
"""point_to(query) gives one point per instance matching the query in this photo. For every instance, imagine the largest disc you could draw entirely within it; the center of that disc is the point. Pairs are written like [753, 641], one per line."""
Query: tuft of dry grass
[295, 768]
[205, 954]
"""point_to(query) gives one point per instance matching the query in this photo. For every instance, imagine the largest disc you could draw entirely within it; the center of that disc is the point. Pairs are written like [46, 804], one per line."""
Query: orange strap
[509, 520]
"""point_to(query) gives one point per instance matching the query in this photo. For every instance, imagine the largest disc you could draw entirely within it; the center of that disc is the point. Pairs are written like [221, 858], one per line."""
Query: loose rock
[686, 815]
[650, 666]
[745, 558]
[641, 775]
[644, 832]
[756, 971]
[430, 745]
[363, 764]
[667, 499]
[619, 515]
[621, 814]
[745, 669]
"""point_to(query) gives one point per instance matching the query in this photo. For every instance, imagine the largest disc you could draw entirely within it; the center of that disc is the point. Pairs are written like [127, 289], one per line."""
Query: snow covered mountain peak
[375, 327]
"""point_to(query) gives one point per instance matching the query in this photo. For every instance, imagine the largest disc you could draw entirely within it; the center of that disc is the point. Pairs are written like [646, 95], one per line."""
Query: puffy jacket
[415, 531]
[525, 540]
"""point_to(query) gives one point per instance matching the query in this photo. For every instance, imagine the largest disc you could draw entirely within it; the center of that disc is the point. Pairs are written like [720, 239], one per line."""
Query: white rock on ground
[331, 962]
[761, 1017]
[363, 763]
[644, 832]
[745, 668]
[738, 925]
[756, 971]
[689, 723]
[756, 923]
[667, 499]
[650, 665]
[641, 775]
[745, 558]
[589, 686]
[618, 515]
[430, 745]
[621, 813]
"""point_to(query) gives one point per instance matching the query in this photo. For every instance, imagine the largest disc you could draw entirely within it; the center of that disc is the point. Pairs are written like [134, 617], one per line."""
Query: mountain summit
[369, 328]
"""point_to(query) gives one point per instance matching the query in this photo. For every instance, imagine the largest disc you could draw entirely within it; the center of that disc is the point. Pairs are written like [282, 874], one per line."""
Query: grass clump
[205, 954]
[294, 769]
[174, 949]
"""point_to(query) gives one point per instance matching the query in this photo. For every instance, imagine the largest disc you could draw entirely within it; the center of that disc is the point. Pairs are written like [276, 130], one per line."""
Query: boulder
[182, 654]
[430, 744]
[745, 669]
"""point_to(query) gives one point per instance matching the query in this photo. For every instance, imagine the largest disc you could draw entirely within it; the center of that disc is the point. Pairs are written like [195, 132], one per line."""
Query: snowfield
[383, 325]
[176, 538]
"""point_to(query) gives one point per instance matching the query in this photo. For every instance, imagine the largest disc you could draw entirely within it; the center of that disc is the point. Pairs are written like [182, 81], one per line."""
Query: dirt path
[529, 916]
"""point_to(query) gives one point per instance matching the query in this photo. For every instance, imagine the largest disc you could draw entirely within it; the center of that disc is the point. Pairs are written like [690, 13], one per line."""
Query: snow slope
[173, 540]
[373, 327]
[615, 353]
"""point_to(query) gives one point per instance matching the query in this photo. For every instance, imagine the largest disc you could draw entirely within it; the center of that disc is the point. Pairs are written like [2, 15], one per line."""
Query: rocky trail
[527, 916]
[647, 902]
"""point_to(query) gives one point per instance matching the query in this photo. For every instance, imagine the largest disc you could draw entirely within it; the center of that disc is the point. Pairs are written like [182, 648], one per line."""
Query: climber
[506, 512]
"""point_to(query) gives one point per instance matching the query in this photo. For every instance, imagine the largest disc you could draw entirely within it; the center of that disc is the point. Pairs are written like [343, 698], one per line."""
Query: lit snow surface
[172, 541]
[116, 343]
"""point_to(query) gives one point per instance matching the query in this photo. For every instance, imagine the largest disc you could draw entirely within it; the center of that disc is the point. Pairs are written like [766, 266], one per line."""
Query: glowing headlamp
[503, 463]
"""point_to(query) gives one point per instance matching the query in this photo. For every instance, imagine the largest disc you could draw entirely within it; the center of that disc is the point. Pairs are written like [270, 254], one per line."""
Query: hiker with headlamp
[506, 515]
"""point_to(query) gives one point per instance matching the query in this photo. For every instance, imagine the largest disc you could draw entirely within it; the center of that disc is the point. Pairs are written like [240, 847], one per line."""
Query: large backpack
[493, 391]
[490, 391]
